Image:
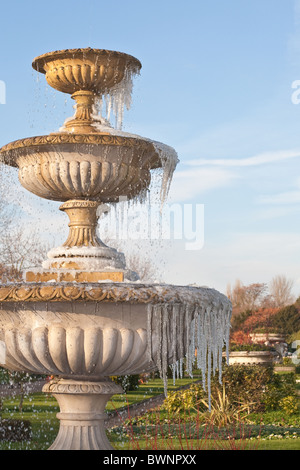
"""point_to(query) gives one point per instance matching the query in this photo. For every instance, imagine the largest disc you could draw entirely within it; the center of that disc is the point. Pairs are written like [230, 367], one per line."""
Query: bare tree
[20, 247]
[280, 289]
[141, 265]
[20, 250]
[246, 297]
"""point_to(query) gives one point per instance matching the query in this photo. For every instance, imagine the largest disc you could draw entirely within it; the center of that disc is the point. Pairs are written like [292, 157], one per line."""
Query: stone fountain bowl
[74, 339]
[96, 70]
[89, 331]
[84, 333]
[99, 167]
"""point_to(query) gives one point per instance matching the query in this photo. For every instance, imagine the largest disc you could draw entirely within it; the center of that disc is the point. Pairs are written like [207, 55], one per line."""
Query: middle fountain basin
[99, 167]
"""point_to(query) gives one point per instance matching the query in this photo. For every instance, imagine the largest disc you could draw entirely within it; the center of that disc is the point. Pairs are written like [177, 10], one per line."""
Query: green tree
[287, 319]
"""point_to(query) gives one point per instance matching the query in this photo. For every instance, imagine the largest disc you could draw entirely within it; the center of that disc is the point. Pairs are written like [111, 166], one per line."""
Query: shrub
[4, 376]
[240, 337]
[251, 388]
[224, 413]
[262, 320]
[15, 430]
[245, 383]
[289, 404]
[280, 387]
[184, 400]
[239, 319]
[127, 382]
[287, 361]
[294, 337]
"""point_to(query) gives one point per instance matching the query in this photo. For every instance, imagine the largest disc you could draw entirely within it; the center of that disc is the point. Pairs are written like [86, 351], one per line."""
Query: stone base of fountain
[82, 413]
[68, 275]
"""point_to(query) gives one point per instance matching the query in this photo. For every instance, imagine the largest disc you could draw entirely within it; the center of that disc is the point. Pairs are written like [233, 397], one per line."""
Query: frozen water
[2, 353]
[114, 101]
[195, 329]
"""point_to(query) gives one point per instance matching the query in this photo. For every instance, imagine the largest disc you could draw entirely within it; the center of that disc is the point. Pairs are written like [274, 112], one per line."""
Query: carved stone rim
[38, 142]
[116, 292]
[66, 138]
[38, 61]
[81, 387]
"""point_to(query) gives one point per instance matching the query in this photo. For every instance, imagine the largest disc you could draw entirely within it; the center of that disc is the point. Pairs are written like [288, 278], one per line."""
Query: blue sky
[216, 84]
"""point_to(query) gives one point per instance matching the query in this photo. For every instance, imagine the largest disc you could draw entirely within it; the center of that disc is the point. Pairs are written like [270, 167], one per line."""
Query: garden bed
[277, 429]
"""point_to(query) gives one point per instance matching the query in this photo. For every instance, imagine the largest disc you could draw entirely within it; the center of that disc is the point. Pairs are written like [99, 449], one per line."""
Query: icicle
[188, 327]
[175, 312]
[158, 323]
[173, 367]
[197, 322]
[149, 331]
[169, 159]
[119, 97]
[164, 347]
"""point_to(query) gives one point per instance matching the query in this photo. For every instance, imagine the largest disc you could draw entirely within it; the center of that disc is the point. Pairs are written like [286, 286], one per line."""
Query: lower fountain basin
[89, 331]
[74, 339]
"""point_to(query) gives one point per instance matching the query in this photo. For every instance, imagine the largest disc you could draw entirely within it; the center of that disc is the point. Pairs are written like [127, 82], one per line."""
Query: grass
[40, 409]
[275, 444]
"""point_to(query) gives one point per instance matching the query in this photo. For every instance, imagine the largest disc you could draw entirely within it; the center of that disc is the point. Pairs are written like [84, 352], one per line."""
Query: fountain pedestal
[82, 413]
[83, 257]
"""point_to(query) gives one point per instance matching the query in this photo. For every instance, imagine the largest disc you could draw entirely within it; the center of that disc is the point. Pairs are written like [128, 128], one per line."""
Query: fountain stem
[83, 121]
[82, 413]
[83, 223]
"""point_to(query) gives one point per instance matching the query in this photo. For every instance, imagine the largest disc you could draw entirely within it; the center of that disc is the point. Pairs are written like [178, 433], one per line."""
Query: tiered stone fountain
[82, 316]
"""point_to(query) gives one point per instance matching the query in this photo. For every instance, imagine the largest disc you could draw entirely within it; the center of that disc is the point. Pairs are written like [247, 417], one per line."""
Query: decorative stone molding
[68, 138]
[107, 292]
[104, 387]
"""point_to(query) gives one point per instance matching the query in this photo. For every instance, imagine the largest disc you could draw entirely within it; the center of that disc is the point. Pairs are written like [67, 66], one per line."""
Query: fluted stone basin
[98, 167]
[94, 70]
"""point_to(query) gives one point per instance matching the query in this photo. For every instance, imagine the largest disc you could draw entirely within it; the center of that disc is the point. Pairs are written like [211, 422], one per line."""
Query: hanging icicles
[194, 331]
[113, 102]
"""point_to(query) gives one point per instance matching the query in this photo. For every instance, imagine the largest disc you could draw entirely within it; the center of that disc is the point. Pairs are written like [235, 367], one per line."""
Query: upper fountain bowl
[95, 70]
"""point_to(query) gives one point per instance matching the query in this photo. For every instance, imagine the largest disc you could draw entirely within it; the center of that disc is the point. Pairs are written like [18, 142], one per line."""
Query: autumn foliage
[261, 319]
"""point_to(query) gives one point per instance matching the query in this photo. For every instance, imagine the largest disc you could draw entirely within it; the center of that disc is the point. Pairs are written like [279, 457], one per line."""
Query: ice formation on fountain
[194, 325]
[114, 101]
